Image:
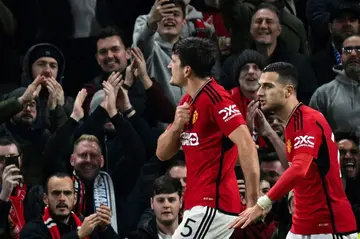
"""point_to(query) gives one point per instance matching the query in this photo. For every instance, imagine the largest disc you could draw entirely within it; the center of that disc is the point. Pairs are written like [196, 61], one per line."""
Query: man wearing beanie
[246, 73]
[47, 61]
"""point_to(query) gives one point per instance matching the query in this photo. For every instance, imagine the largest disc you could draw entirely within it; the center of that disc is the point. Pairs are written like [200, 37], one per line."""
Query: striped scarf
[52, 226]
[103, 194]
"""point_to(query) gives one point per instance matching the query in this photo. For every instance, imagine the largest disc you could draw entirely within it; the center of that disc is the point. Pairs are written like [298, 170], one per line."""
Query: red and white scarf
[16, 215]
[52, 226]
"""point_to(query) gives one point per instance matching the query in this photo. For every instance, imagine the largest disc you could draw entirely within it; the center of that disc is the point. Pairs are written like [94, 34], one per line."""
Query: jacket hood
[26, 77]
[342, 77]
[192, 13]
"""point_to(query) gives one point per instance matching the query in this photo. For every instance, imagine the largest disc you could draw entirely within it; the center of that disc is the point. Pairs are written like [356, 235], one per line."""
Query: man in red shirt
[321, 208]
[212, 133]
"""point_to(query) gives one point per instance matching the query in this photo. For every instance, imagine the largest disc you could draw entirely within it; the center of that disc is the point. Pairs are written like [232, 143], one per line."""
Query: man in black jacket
[163, 219]
[88, 157]
[59, 221]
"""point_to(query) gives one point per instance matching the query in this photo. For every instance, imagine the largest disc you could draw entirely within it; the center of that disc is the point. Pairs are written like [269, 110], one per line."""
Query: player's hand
[182, 116]
[248, 216]
[251, 114]
[264, 127]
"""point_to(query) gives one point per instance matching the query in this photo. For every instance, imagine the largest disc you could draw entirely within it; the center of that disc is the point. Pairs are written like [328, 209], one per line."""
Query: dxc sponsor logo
[229, 112]
[304, 141]
[189, 139]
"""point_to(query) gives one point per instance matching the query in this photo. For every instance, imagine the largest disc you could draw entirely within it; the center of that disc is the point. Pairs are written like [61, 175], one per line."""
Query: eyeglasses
[4, 157]
[349, 49]
[352, 152]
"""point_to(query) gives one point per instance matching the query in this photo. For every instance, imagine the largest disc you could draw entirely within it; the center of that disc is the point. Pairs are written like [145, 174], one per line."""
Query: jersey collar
[292, 112]
[199, 91]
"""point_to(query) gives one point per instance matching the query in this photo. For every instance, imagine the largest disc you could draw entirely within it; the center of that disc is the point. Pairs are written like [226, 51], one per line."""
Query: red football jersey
[209, 153]
[321, 205]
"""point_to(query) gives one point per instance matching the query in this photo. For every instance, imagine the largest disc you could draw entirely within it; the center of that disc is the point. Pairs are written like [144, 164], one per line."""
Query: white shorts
[204, 223]
[291, 235]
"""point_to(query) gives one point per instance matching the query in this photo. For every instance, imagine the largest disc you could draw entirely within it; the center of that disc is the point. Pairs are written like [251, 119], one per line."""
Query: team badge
[288, 146]
[195, 116]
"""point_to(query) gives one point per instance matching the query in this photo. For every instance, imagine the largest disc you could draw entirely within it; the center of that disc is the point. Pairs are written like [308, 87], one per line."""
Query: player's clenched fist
[182, 116]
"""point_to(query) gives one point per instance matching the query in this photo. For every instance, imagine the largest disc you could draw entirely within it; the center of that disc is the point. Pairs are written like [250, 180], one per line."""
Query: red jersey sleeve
[227, 115]
[307, 138]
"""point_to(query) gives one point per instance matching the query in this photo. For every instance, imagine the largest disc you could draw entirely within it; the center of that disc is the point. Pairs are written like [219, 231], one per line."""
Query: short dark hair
[167, 185]
[287, 72]
[198, 53]
[175, 163]
[58, 175]
[181, 4]
[346, 135]
[269, 6]
[6, 141]
[111, 31]
[263, 176]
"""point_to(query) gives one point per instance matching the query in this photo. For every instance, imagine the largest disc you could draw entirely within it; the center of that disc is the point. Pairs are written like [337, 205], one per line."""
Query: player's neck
[168, 229]
[193, 85]
[287, 109]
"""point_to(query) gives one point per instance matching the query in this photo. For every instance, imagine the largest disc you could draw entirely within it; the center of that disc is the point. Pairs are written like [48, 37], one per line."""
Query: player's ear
[289, 90]
[187, 71]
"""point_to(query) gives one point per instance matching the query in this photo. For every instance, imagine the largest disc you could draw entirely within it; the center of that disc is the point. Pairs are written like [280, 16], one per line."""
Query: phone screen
[12, 160]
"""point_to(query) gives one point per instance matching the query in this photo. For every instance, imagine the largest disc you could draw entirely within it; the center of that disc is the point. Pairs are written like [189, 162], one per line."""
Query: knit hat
[246, 57]
[45, 51]
[96, 100]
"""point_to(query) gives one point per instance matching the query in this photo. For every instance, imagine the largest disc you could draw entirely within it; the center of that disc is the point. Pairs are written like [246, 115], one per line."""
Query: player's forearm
[286, 183]
[168, 144]
[250, 165]
[280, 148]
[294, 174]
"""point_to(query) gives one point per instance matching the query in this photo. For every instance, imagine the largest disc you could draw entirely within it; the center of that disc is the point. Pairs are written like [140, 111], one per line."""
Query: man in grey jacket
[339, 100]
[156, 33]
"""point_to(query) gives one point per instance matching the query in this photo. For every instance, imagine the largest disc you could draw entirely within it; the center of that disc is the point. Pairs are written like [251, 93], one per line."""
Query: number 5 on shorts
[188, 227]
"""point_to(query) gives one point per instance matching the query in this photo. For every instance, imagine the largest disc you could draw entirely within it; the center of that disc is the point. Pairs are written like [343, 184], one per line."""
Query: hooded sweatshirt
[157, 51]
[339, 102]
[43, 117]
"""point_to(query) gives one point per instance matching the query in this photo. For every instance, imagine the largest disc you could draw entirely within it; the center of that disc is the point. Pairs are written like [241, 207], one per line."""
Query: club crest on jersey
[195, 117]
[288, 146]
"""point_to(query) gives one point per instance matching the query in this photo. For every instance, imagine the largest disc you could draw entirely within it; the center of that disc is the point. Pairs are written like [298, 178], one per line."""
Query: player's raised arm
[249, 162]
[169, 141]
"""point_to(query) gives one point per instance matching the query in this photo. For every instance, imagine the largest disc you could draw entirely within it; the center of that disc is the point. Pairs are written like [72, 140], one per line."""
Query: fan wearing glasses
[10, 162]
[339, 100]
[13, 191]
